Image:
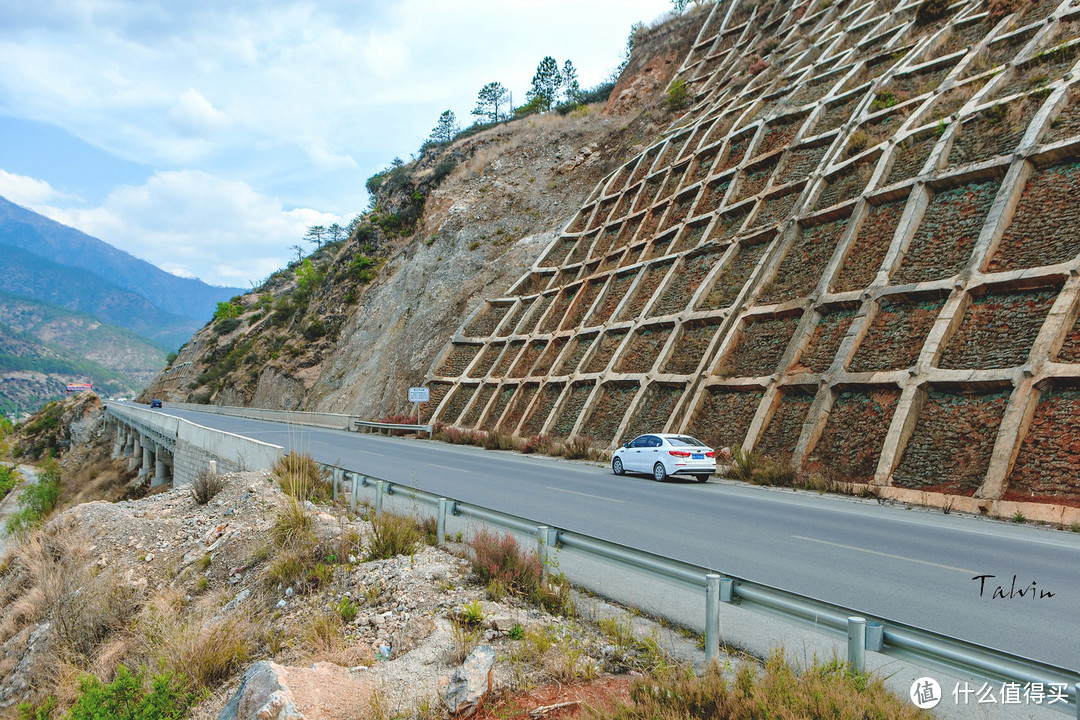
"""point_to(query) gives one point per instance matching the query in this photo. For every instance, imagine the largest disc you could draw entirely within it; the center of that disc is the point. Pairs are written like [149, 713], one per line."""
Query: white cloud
[194, 224]
[194, 116]
[28, 191]
[277, 104]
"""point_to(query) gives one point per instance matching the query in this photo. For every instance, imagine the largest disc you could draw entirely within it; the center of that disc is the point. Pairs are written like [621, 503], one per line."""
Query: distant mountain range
[75, 308]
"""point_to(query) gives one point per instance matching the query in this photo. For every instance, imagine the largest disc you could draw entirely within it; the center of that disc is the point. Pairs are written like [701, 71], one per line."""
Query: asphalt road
[908, 565]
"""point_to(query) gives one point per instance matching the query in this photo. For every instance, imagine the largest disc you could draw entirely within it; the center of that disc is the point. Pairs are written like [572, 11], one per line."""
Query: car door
[651, 453]
[632, 456]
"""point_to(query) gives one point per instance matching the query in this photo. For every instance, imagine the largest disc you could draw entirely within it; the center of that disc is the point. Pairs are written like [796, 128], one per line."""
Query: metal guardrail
[387, 427]
[907, 642]
[899, 640]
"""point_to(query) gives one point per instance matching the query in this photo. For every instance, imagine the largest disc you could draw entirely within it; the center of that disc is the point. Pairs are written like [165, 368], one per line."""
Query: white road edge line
[574, 492]
[444, 467]
[884, 554]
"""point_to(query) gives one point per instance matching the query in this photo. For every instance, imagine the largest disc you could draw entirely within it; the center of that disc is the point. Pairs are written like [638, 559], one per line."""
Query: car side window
[655, 441]
[639, 442]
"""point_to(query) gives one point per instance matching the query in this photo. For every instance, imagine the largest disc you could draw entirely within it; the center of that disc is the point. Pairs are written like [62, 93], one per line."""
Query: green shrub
[283, 311]
[308, 277]
[315, 330]
[227, 310]
[678, 97]
[168, 697]
[883, 100]
[375, 182]
[48, 418]
[347, 610]
[37, 499]
[9, 477]
[363, 268]
[472, 614]
[224, 327]
[44, 711]
[442, 169]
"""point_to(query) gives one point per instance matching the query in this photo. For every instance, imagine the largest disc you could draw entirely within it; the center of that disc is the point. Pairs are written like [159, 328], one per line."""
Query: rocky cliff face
[849, 254]
[362, 320]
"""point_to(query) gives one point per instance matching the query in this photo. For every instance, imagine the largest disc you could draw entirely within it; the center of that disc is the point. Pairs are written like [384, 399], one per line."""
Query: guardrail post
[541, 549]
[213, 467]
[338, 476]
[856, 643]
[355, 490]
[546, 538]
[712, 616]
[380, 488]
[440, 523]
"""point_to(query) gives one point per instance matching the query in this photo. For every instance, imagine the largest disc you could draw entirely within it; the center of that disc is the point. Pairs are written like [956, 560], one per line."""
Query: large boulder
[277, 692]
[471, 682]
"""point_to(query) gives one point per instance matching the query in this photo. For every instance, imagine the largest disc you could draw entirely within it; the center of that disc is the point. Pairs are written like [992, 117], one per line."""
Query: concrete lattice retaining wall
[862, 222]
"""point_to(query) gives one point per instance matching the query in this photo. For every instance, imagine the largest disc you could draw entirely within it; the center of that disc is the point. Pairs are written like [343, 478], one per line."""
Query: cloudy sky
[205, 136]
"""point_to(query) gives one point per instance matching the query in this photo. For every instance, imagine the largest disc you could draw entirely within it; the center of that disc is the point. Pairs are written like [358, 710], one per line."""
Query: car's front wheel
[659, 472]
[616, 466]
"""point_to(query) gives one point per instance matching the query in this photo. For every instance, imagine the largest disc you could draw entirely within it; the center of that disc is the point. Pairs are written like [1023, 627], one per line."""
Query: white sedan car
[661, 455]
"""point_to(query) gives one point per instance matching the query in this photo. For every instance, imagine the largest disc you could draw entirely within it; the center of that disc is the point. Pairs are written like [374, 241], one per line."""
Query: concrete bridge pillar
[161, 469]
[129, 442]
[118, 446]
[136, 452]
[147, 457]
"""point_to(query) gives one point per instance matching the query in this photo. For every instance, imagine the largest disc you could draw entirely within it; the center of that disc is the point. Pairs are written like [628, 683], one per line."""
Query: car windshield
[685, 441]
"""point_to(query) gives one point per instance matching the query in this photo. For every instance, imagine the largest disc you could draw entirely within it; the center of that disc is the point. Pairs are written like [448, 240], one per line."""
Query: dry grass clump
[86, 610]
[51, 575]
[498, 440]
[778, 690]
[393, 535]
[206, 485]
[215, 652]
[293, 526]
[577, 448]
[299, 476]
[94, 475]
[538, 444]
[192, 641]
[581, 448]
[749, 466]
[456, 437]
[323, 640]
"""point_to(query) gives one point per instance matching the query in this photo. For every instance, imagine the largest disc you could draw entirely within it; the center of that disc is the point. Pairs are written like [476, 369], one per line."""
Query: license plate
[698, 456]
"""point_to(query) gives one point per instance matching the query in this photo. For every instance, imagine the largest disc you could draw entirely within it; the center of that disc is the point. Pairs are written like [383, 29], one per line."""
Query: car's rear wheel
[703, 478]
[659, 472]
[616, 466]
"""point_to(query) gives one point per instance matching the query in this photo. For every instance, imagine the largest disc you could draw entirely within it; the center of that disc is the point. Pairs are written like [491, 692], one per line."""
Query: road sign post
[418, 395]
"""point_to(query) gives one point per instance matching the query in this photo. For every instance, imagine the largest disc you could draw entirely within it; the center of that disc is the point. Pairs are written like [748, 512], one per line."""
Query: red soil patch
[602, 693]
